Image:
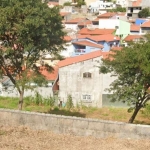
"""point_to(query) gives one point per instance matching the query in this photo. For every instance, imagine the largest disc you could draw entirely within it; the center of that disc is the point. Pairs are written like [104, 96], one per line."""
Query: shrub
[69, 103]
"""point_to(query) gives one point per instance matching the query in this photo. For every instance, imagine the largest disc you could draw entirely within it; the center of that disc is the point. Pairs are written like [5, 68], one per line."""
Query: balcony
[136, 11]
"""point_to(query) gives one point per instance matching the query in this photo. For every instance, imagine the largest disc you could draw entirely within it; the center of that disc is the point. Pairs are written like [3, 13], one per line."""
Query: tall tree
[131, 65]
[27, 30]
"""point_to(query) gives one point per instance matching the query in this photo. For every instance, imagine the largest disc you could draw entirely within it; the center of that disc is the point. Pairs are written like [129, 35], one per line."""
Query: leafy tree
[80, 3]
[27, 30]
[144, 13]
[131, 65]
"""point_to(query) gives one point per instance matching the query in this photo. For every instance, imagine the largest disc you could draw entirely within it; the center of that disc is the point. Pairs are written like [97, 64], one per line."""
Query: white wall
[68, 50]
[71, 26]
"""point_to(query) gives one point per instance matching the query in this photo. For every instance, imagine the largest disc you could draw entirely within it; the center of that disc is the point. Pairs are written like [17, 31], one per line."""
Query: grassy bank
[48, 106]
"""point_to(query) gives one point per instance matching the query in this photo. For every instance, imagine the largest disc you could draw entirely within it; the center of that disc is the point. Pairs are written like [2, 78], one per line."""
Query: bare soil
[23, 138]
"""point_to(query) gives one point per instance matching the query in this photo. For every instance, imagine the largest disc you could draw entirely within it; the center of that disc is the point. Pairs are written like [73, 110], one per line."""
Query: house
[85, 46]
[122, 27]
[7, 87]
[135, 29]
[133, 38]
[68, 47]
[73, 23]
[65, 15]
[145, 27]
[88, 43]
[79, 77]
[134, 7]
[139, 21]
[100, 5]
[122, 3]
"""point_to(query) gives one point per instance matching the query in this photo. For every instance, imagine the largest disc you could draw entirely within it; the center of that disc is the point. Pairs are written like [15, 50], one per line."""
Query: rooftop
[88, 43]
[80, 58]
[95, 31]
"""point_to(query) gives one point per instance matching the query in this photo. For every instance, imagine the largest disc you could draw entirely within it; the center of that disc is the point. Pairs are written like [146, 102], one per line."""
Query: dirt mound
[23, 138]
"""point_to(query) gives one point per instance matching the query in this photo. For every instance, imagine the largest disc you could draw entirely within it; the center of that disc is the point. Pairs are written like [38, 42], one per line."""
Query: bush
[67, 4]
[69, 103]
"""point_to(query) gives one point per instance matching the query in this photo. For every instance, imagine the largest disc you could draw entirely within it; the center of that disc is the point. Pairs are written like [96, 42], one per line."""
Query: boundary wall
[73, 125]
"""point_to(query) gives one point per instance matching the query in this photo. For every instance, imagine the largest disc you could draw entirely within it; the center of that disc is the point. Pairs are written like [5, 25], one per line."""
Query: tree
[27, 30]
[132, 70]
[144, 13]
[80, 3]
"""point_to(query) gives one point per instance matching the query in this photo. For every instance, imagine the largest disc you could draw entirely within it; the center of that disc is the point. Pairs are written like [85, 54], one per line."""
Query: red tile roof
[107, 38]
[77, 59]
[116, 48]
[107, 15]
[96, 31]
[87, 43]
[136, 3]
[64, 13]
[49, 75]
[132, 37]
[53, 3]
[75, 21]
[134, 27]
[67, 38]
[146, 24]
[84, 22]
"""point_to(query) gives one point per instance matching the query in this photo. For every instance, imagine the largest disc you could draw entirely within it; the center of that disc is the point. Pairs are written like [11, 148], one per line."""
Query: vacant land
[23, 138]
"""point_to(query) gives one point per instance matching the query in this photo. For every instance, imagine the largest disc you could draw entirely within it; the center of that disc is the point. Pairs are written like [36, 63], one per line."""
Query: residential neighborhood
[91, 34]
[75, 74]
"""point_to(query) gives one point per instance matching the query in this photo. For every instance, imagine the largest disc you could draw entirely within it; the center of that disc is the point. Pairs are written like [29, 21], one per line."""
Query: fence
[73, 125]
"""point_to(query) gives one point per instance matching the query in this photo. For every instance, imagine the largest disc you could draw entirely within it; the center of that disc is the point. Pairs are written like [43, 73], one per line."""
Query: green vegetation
[132, 69]
[118, 9]
[28, 28]
[144, 13]
[67, 4]
[105, 113]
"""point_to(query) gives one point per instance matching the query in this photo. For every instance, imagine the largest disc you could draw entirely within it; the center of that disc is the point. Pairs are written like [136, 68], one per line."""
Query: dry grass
[23, 138]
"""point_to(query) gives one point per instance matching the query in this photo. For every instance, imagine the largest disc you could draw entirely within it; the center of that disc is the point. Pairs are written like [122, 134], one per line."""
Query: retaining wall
[73, 125]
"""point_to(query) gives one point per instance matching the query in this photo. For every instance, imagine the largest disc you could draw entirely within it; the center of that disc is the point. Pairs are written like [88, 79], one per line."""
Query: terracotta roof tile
[49, 75]
[74, 21]
[76, 59]
[88, 43]
[53, 3]
[132, 37]
[64, 13]
[96, 31]
[107, 38]
[134, 27]
[146, 24]
[136, 3]
[83, 23]
[67, 38]
[107, 15]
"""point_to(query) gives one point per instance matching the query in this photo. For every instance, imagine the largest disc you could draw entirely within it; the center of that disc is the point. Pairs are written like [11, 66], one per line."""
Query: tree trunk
[134, 114]
[21, 100]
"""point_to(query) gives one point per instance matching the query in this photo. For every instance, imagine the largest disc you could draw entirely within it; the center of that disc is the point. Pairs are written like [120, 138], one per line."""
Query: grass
[105, 113]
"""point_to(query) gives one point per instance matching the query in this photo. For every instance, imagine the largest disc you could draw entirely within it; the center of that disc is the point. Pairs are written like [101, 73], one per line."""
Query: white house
[122, 27]
[79, 77]
[122, 3]
[100, 4]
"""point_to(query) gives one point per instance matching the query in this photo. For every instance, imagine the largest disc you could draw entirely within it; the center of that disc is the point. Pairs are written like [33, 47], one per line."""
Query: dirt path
[22, 138]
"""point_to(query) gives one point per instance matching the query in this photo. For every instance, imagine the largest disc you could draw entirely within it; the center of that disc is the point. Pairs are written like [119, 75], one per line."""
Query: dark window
[87, 75]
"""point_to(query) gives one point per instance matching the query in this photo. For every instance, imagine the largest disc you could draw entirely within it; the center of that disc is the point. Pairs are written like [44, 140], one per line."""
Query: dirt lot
[23, 138]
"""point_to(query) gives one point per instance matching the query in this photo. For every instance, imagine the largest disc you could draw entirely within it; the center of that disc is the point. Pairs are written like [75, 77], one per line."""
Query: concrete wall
[44, 91]
[74, 125]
